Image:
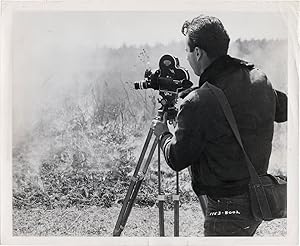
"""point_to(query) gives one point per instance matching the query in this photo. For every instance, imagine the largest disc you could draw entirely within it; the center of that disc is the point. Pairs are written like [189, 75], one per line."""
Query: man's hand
[159, 127]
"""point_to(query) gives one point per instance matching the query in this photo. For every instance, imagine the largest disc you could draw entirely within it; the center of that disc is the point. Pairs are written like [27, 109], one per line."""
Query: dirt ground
[100, 222]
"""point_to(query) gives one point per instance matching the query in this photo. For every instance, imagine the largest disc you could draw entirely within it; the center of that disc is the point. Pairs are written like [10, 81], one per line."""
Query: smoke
[62, 74]
[269, 55]
[54, 75]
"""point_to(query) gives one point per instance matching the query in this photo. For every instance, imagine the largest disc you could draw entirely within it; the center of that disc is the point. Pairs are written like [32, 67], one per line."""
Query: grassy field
[100, 222]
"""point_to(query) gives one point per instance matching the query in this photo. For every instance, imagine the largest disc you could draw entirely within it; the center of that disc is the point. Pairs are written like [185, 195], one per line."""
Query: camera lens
[140, 85]
[136, 85]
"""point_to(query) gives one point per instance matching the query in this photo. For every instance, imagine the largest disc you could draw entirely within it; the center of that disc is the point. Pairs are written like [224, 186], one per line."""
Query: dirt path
[95, 221]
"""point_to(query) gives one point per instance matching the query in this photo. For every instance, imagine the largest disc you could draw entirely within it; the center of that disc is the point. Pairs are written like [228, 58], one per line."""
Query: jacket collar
[221, 66]
[216, 70]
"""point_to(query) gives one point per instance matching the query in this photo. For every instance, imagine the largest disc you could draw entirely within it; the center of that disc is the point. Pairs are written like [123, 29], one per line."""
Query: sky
[49, 47]
[139, 27]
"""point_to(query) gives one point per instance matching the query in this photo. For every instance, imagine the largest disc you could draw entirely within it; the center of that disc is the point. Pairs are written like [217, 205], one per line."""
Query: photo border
[289, 11]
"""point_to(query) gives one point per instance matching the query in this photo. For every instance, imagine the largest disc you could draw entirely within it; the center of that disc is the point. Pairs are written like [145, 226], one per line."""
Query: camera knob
[163, 102]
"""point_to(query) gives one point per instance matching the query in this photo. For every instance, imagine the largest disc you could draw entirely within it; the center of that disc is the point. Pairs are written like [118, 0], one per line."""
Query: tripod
[138, 177]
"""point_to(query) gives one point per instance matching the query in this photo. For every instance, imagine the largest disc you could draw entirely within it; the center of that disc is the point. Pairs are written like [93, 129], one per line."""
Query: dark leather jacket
[203, 138]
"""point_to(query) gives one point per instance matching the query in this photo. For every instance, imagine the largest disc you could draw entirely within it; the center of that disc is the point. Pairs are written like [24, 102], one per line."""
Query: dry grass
[95, 221]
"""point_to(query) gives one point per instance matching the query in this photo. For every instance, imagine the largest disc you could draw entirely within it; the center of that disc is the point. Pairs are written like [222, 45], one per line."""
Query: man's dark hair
[207, 33]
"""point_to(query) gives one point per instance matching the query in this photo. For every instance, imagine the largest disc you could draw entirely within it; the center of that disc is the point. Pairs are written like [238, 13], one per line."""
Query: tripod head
[167, 107]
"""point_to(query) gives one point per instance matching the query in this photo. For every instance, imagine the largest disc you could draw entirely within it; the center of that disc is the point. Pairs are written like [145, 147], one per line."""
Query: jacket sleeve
[281, 106]
[185, 146]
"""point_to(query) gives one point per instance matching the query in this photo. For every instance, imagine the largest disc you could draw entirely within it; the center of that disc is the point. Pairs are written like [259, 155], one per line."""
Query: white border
[290, 12]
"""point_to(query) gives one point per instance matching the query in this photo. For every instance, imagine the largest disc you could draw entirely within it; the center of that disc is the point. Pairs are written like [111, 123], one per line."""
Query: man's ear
[199, 53]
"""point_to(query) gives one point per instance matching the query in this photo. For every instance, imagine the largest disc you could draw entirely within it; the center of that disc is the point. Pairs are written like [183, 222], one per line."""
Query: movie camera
[169, 79]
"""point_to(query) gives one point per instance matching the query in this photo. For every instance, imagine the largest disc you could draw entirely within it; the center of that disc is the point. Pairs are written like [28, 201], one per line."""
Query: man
[203, 139]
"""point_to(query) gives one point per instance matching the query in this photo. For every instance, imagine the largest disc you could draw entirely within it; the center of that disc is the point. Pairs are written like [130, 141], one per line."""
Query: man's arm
[281, 106]
[185, 146]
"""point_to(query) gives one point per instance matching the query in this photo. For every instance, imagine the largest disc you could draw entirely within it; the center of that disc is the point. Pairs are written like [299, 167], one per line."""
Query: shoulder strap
[255, 180]
[231, 120]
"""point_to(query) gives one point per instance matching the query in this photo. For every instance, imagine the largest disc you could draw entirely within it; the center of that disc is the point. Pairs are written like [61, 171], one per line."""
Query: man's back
[221, 168]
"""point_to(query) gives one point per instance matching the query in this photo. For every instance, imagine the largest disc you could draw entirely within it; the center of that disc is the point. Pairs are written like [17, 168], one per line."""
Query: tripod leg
[161, 198]
[176, 207]
[134, 187]
[139, 182]
[141, 158]
[120, 222]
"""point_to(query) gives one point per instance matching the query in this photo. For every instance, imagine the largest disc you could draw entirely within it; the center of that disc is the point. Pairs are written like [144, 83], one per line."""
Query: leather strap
[255, 180]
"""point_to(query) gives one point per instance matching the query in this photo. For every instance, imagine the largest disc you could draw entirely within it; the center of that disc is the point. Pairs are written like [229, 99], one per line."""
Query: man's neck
[206, 64]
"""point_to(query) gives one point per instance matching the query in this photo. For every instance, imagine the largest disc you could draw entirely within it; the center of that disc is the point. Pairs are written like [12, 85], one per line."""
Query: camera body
[170, 77]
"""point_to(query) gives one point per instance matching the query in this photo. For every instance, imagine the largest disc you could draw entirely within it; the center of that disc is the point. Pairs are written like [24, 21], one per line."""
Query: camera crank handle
[161, 116]
[172, 122]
